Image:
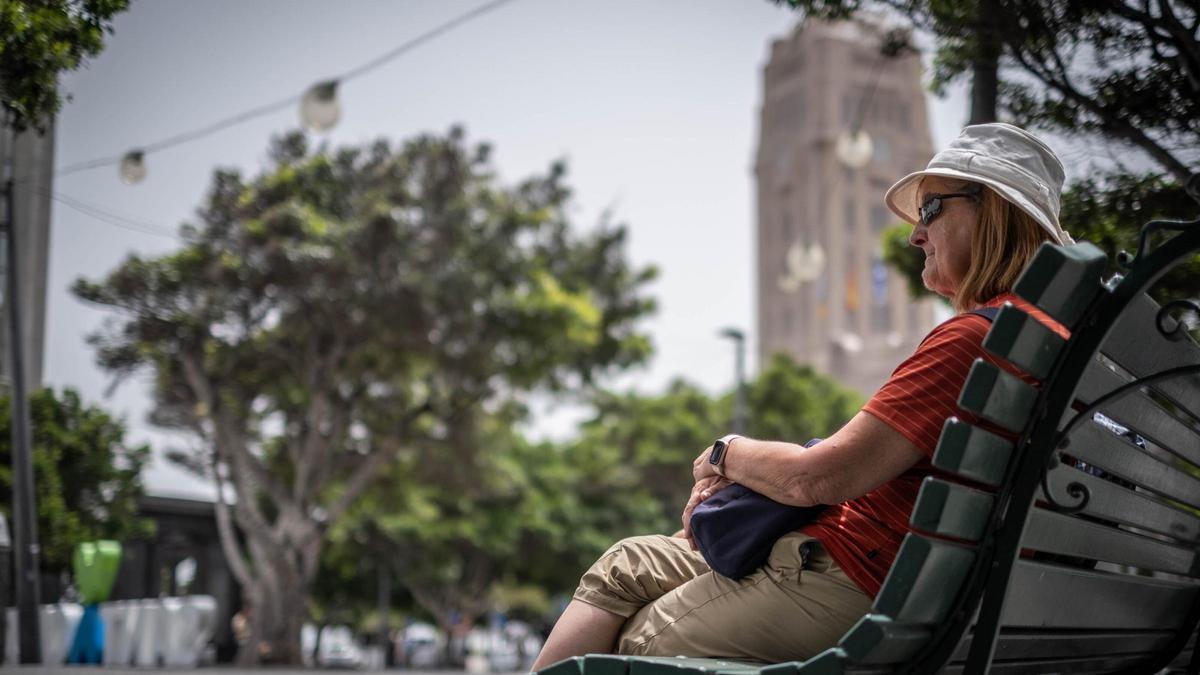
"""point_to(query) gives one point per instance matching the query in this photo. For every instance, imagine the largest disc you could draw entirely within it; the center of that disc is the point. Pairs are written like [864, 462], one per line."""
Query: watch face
[718, 450]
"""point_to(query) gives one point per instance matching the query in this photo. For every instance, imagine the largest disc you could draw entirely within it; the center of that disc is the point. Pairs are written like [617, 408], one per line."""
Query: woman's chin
[933, 285]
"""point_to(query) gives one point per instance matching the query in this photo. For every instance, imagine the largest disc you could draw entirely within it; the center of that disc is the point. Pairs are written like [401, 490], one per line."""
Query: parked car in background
[423, 646]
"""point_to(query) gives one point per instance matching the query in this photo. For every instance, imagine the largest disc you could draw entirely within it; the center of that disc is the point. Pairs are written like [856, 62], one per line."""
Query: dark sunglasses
[933, 205]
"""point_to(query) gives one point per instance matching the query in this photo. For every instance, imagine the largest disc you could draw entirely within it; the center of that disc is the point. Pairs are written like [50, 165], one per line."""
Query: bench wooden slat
[831, 662]
[997, 395]
[971, 452]
[569, 666]
[951, 510]
[877, 639]
[1055, 596]
[1102, 664]
[1138, 412]
[1117, 455]
[1026, 644]
[606, 664]
[1024, 341]
[1054, 532]
[1137, 346]
[1119, 504]
[918, 587]
[1128, 507]
[1063, 280]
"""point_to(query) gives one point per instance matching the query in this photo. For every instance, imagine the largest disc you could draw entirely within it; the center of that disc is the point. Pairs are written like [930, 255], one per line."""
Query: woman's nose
[918, 235]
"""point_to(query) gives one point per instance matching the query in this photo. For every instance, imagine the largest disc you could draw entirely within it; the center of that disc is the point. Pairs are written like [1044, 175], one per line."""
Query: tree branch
[315, 446]
[1116, 124]
[359, 480]
[226, 534]
[1185, 43]
[1178, 36]
[247, 470]
[364, 473]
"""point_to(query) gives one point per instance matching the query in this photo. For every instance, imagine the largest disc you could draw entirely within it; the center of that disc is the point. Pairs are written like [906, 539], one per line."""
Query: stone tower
[824, 294]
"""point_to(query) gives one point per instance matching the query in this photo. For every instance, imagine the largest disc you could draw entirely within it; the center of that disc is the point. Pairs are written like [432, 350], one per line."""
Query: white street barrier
[120, 626]
[57, 623]
[148, 635]
[188, 625]
[172, 632]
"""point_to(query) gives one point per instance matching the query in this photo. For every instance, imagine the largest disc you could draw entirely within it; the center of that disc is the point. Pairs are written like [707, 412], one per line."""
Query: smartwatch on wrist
[720, 448]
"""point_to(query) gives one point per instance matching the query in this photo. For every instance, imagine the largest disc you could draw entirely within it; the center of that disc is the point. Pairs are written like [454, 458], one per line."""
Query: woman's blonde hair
[1002, 244]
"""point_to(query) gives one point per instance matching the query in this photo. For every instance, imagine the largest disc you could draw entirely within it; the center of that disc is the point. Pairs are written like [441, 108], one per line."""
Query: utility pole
[739, 397]
[25, 537]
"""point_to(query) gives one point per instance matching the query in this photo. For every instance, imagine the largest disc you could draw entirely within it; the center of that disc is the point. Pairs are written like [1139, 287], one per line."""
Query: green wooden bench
[965, 593]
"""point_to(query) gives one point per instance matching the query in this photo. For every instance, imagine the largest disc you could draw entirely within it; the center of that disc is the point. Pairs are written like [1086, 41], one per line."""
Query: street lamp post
[739, 397]
[25, 539]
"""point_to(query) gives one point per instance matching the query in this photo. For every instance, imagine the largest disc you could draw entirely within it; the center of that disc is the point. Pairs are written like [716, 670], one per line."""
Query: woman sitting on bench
[980, 210]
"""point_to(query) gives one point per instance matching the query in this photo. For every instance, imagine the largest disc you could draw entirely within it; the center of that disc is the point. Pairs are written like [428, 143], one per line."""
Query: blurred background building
[825, 296]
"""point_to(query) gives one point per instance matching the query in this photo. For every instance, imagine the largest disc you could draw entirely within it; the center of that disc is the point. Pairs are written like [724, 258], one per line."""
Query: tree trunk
[278, 591]
[985, 76]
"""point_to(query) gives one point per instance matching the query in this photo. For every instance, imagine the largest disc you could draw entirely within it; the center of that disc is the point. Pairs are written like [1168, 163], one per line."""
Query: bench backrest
[1091, 565]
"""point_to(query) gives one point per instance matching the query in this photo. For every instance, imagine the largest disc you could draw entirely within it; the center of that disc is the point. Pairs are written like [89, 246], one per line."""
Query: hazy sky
[653, 103]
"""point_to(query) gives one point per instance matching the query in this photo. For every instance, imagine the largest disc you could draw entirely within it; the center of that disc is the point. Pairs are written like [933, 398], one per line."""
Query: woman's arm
[861, 456]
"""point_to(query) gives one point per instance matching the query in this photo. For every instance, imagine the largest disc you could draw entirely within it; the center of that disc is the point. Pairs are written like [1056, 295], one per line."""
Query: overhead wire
[269, 108]
[102, 214]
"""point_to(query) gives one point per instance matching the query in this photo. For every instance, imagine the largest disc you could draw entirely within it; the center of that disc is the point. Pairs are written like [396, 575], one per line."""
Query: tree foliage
[1114, 70]
[793, 402]
[87, 478]
[343, 314]
[511, 514]
[38, 40]
[907, 259]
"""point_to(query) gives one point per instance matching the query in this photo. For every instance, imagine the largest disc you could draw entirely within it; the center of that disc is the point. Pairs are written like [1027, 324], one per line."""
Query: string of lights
[319, 107]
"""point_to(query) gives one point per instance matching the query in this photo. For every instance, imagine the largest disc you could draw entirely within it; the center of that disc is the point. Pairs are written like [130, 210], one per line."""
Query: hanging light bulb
[854, 148]
[132, 169]
[319, 109]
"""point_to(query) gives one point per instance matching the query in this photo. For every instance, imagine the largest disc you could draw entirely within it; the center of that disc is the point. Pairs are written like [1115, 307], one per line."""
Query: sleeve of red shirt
[923, 390]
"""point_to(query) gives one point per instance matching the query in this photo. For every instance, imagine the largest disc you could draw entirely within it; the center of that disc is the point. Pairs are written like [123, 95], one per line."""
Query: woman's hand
[702, 468]
[703, 489]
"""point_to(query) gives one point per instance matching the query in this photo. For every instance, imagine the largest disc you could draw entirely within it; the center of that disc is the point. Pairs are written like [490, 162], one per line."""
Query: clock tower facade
[825, 296]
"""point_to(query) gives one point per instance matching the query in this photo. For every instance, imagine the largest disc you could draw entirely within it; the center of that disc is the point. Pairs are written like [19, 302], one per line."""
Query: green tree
[499, 513]
[907, 259]
[88, 480]
[341, 312]
[460, 535]
[644, 445]
[792, 402]
[40, 39]
[448, 529]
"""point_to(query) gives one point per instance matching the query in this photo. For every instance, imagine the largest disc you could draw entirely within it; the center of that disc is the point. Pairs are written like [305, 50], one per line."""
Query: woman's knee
[626, 561]
[641, 569]
[633, 548]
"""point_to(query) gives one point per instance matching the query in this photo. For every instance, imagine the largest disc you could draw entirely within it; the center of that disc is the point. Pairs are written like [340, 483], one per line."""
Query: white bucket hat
[1009, 160]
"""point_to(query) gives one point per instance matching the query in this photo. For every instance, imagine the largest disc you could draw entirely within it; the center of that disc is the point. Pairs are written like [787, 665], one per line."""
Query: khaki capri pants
[797, 605]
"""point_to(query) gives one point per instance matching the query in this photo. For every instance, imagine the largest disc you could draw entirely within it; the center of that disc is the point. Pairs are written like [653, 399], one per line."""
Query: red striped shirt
[863, 535]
